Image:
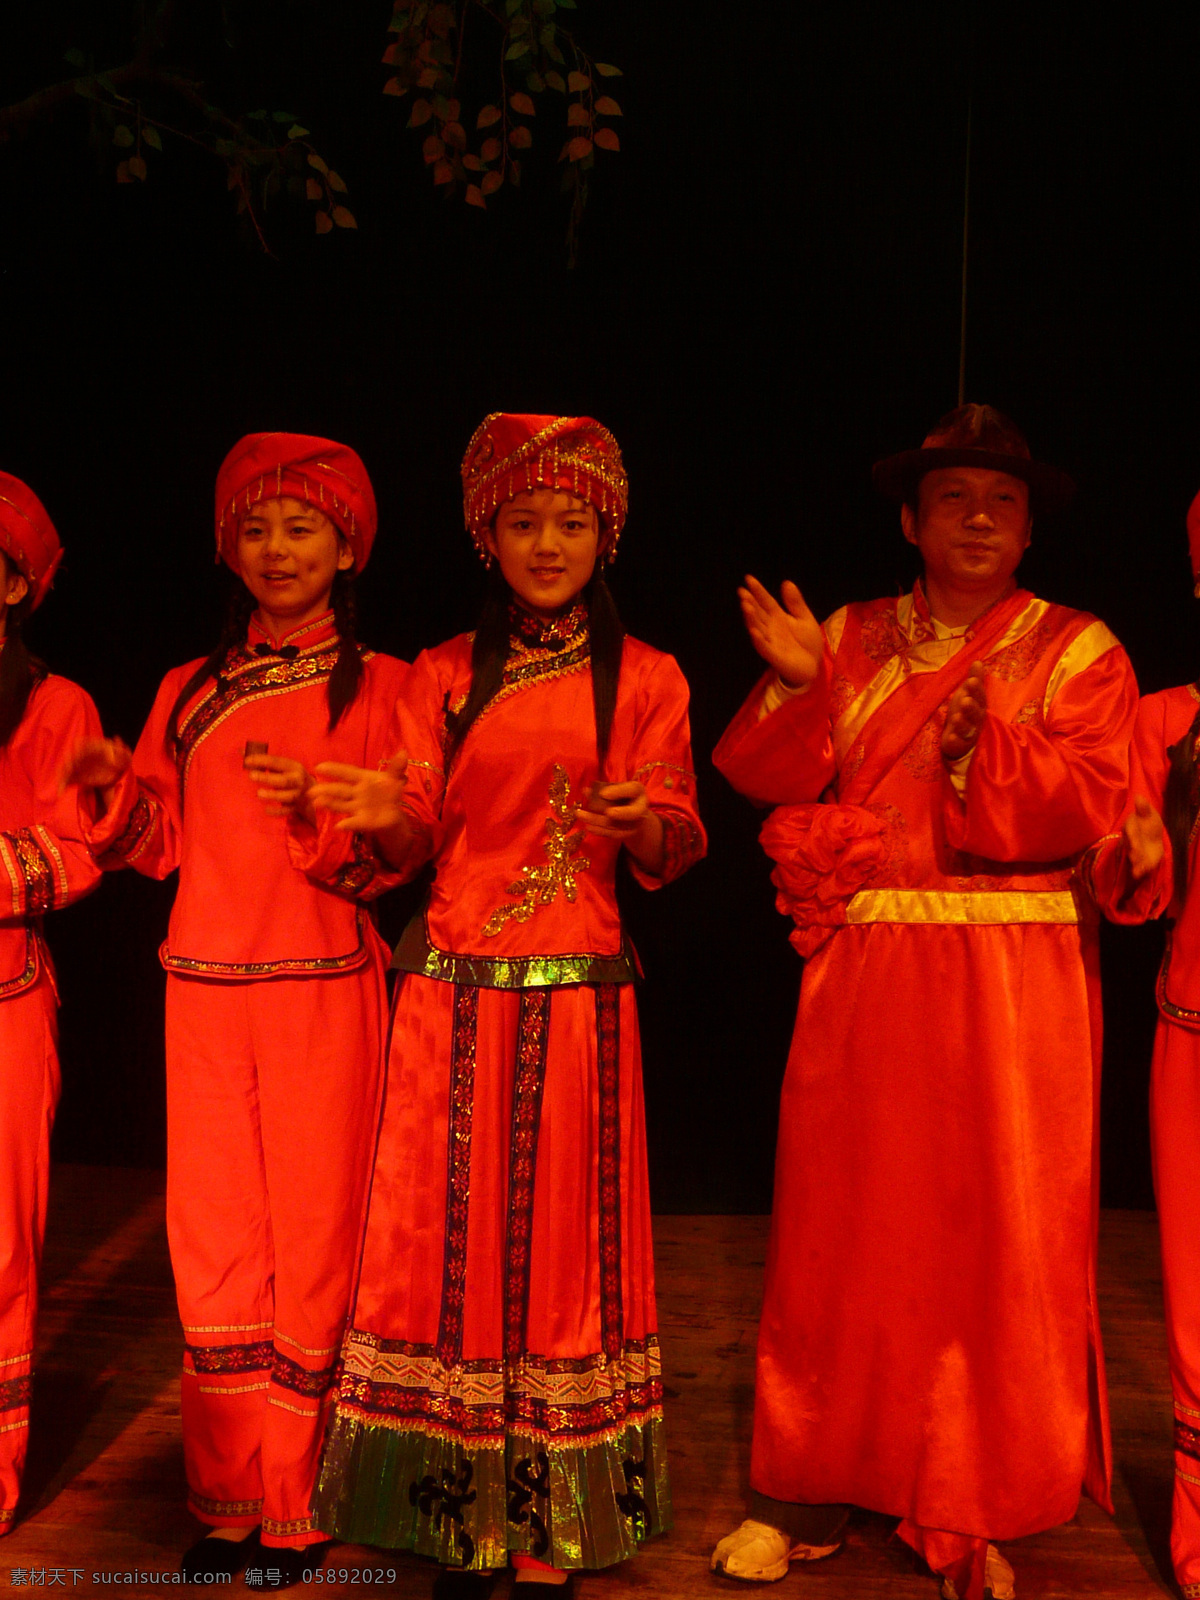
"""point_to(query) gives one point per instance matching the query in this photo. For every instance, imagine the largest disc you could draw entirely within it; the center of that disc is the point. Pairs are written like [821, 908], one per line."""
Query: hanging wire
[966, 235]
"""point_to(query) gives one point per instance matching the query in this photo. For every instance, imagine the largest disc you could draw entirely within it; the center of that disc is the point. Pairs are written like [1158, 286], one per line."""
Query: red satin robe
[275, 1017]
[929, 1345]
[501, 1387]
[1162, 720]
[44, 863]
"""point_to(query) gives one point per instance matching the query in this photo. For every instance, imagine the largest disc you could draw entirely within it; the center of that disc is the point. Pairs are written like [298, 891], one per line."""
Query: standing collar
[306, 637]
[552, 633]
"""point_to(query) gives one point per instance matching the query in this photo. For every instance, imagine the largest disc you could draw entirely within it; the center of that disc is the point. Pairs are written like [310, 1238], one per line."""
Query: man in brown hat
[929, 1346]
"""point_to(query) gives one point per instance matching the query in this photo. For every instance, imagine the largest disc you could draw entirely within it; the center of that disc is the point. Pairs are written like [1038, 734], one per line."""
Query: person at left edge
[44, 863]
[275, 990]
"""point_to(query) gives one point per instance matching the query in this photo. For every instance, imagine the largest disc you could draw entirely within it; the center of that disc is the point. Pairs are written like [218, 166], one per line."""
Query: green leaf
[534, 82]
[150, 135]
[297, 132]
[75, 58]
[284, 116]
[557, 81]
[606, 70]
[122, 136]
[260, 116]
[520, 48]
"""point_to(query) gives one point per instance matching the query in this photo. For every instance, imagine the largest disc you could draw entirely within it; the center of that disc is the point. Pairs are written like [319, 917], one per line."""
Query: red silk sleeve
[660, 758]
[785, 758]
[143, 825]
[1106, 867]
[47, 863]
[1035, 795]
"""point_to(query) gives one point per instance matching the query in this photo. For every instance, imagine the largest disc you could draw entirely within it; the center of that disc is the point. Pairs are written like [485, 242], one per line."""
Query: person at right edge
[1137, 874]
[929, 1346]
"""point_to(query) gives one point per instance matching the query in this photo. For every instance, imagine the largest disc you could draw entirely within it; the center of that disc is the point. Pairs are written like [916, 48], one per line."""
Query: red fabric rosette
[823, 856]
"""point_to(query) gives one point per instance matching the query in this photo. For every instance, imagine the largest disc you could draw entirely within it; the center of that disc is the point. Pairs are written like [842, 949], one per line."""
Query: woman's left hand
[622, 812]
[615, 810]
[283, 785]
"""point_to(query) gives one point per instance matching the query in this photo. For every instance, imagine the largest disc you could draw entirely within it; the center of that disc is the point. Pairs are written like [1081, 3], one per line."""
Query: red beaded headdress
[27, 536]
[330, 476]
[511, 452]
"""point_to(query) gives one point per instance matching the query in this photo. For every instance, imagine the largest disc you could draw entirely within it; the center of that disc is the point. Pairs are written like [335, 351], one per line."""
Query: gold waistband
[983, 908]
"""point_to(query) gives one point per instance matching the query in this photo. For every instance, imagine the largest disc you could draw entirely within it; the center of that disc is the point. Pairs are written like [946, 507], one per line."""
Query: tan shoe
[997, 1578]
[758, 1553]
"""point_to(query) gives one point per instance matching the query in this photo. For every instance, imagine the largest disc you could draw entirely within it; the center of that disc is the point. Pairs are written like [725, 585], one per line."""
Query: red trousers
[29, 1084]
[272, 1103]
[1175, 1138]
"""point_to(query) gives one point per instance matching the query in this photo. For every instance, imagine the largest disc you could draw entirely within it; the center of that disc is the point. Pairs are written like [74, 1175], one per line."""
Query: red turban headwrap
[27, 536]
[512, 452]
[1193, 528]
[267, 466]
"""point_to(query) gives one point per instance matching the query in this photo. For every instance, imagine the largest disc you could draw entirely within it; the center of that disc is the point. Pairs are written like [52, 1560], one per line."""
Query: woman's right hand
[788, 637]
[369, 802]
[95, 763]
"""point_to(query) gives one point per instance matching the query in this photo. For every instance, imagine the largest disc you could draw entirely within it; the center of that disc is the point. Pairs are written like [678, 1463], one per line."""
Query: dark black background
[767, 300]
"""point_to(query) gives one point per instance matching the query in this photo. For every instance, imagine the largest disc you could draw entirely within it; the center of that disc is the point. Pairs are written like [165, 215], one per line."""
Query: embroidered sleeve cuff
[958, 770]
[778, 693]
[683, 846]
[34, 869]
[122, 834]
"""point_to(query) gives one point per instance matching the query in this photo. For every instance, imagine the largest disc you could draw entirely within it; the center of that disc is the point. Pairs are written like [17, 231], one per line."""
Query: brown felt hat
[974, 436]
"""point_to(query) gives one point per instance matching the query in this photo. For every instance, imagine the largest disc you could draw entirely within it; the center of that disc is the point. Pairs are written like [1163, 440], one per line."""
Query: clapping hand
[964, 715]
[788, 637]
[1143, 832]
[95, 764]
[615, 810]
[369, 802]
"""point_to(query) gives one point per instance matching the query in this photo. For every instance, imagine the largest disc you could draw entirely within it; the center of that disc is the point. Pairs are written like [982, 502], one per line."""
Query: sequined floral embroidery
[541, 886]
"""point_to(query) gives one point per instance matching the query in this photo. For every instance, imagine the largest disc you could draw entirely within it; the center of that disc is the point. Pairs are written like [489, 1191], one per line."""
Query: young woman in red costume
[501, 1394]
[1139, 874]
[44, 863]
[275, 990]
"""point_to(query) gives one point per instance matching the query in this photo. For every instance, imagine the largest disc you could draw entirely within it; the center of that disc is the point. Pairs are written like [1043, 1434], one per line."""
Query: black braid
[238, 611]
[20, 671]
[489, 652]
[1180, 803]
[348, 669]
[607, 647]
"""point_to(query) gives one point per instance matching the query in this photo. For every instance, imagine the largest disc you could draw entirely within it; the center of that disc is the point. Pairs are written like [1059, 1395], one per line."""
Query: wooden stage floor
[104, 1481]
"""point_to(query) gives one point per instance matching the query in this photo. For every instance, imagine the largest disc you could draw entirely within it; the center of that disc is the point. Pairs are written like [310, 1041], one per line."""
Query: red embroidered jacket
[45, 861]
[242, 910]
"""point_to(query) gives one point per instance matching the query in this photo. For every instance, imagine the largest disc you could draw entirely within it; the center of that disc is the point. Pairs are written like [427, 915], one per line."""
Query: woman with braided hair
[501, 1391]
[275, 989]
[45, 863]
